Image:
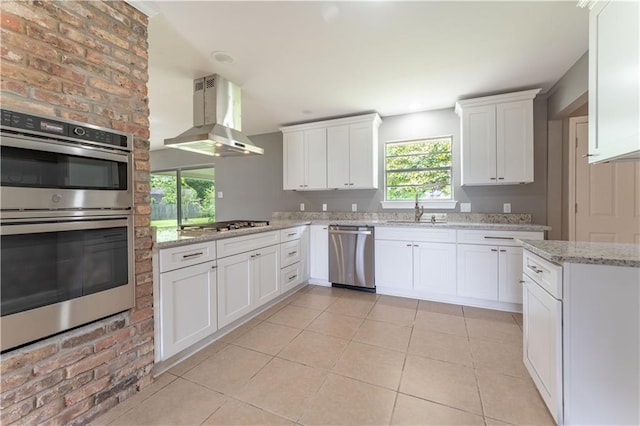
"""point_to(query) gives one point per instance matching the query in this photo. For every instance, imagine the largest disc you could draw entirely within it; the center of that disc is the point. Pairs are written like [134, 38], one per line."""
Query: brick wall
[86, 61]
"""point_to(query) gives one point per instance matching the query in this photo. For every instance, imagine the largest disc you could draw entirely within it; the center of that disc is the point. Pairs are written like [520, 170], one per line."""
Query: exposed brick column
[85, 61]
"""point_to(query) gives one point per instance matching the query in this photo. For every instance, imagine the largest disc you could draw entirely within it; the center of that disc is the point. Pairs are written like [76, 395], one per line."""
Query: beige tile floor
[335, 356]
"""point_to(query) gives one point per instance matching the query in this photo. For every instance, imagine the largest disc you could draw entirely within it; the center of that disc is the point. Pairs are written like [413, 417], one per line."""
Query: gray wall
[252, 186]
[571, 91]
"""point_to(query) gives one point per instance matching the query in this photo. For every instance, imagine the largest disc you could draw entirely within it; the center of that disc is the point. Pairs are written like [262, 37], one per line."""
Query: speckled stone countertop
[583, 252]
[427, 224]
[172, 237]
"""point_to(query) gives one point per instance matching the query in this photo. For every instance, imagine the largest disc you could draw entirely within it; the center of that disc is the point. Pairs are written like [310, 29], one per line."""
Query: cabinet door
[266, 274]
[338, 157]
[542, 347]
[315, 142]
[304, 254]
[293, 160]
[394, 264]
[235, 295]
[510, 274]
[434, 268]
[479, 145]
[478, 271]
[514, 142]
[188, 307]
[319, 253]
[363, 156]
[614, 107]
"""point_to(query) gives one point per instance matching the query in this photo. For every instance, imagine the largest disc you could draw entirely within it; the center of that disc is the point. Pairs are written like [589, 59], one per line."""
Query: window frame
[426, 202]
[179, 171]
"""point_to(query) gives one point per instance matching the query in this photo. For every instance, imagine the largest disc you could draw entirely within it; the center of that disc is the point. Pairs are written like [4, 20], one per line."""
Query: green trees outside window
[182, 197]
[418, 167]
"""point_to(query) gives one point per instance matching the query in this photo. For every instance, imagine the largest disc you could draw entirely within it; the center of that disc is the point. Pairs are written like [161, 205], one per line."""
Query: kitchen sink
[422, 222]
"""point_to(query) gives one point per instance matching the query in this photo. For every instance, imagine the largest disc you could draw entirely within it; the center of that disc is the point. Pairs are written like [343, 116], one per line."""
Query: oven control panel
[18, 120]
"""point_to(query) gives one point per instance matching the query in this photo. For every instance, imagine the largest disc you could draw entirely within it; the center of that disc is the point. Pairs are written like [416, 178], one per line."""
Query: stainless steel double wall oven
[66, 225]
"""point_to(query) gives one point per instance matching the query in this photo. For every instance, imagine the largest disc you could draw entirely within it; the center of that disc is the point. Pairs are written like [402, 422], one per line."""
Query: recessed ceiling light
[222, 57]
[415, 106]
[307, 111]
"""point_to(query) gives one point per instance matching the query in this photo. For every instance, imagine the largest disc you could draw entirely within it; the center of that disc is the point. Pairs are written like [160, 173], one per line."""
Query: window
[182, 197]
[418, 167]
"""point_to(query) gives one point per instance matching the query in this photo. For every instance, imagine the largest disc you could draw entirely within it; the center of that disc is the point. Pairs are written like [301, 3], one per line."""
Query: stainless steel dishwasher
[351, 256]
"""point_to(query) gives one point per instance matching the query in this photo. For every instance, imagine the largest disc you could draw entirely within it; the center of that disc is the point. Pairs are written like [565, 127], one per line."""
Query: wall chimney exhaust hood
[217, 121]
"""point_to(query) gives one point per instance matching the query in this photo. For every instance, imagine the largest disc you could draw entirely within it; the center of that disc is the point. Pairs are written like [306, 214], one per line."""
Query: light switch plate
[301, 207]
[465, 207]
[354, 207]
[220, 194]
[506, 207]
[324, 207]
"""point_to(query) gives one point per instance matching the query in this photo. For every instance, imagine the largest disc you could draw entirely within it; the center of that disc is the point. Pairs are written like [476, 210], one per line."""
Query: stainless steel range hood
[217, 121]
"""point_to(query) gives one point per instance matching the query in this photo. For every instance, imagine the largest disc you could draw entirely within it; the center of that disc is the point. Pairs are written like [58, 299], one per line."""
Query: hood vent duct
[217, 121]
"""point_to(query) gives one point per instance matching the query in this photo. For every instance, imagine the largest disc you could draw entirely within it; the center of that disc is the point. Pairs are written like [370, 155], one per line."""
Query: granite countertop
[584, 252]
[172, 237]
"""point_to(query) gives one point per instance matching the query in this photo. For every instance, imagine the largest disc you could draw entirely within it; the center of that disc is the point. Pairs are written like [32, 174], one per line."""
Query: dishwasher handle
[335, 231]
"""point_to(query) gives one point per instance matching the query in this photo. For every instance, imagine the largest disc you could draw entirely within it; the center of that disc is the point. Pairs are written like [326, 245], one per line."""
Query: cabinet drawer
[290, 276]
[289, 253]
[410, 233]
[548, 275]
[497, 238]
[235, 245]
[192, 254]
[290, 234]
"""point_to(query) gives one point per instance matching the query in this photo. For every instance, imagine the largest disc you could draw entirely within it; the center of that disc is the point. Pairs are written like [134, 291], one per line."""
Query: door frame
[573, 145]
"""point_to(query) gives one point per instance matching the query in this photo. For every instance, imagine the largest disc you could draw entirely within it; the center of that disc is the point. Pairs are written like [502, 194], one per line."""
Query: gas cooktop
[223, 226]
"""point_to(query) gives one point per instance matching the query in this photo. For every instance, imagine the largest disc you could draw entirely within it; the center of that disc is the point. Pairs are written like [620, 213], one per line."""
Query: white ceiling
[303, 61]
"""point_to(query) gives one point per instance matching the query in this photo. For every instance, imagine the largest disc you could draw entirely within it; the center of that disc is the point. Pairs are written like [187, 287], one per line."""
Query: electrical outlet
[301, 207]
[354, 207]
[324, 207]
[220, 194]
[465, 207]
[506, 207]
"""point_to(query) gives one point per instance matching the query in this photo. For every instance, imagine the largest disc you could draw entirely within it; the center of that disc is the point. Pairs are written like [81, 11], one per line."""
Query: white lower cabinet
[478, 271]
[266, 274]
[246, 281]
[415, 267]
[319, 254]
[394, 264]
[542, 343]
[490, 272]
[434, 268]
[188, 307]
[235, 297]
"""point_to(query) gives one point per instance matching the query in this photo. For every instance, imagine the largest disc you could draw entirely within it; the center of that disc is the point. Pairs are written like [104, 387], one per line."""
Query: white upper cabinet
[497, 139]
[349, 159]
[614, 82]
[304, 159]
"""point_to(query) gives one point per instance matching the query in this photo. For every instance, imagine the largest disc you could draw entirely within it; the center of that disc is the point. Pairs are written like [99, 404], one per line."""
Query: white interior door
[607, 195]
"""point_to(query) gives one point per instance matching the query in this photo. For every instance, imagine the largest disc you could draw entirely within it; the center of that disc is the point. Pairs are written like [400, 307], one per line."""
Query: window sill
[430, 205]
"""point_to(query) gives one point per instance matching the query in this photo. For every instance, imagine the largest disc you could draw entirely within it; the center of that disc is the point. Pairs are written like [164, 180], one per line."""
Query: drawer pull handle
[522, 281]
[494, 249]
[291, 234]
[503, 251]
[214, 267]
[292, 253]
[409, 245]
[293, 277]
[188, 256]
[497, 238]
[492, 178]
[258, 254]
[534, 269]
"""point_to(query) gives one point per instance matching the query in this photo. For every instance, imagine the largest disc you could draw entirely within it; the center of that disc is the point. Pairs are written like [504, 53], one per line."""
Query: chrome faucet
[419, 210]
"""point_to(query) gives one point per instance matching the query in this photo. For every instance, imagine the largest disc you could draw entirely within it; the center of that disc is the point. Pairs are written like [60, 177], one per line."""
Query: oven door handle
[36, 227]
[63, 148]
